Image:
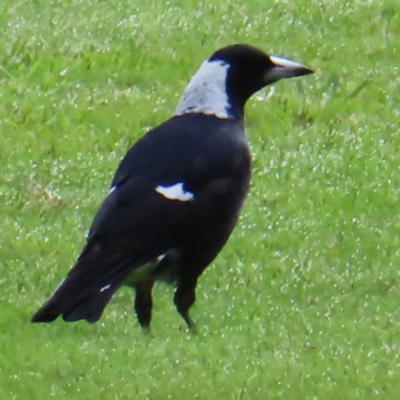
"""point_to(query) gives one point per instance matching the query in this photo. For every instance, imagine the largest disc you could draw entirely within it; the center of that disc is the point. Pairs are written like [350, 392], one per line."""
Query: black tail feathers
[74, 308]
[48, 313]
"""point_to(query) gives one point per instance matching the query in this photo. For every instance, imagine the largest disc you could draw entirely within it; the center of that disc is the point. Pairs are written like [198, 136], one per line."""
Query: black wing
[136, 223]
[123, 237]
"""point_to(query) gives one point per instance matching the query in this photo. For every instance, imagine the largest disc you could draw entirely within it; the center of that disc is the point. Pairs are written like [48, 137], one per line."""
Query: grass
[303, 303]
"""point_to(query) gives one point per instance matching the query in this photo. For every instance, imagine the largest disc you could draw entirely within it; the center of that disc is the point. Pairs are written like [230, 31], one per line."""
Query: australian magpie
[176, 195]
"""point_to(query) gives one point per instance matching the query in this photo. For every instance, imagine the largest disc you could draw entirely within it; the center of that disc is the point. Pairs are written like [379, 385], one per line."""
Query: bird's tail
[87, 289]
[74, 308]
[98, 273]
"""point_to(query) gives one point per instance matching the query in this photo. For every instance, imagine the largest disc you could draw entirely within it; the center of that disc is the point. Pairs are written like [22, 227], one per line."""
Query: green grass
[303, 302]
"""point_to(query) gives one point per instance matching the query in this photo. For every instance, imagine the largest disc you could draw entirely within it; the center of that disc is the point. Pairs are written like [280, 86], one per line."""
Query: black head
[230, 76]
[250, 69]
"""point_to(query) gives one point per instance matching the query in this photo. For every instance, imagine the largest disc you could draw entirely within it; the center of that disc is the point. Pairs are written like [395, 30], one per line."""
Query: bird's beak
[284, 68]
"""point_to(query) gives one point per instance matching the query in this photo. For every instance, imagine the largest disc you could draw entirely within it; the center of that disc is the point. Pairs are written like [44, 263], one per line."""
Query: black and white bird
[176, 195]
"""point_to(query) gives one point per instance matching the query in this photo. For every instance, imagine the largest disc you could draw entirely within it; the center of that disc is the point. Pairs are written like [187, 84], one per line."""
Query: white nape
[175, 192]
[206, 91]
[112, 189]
[104, 288]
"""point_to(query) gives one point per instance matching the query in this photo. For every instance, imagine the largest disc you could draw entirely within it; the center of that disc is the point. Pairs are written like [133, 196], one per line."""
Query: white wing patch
[112, 189]
[206, 91]
[104, 288]
[161, 257]
[175, 192]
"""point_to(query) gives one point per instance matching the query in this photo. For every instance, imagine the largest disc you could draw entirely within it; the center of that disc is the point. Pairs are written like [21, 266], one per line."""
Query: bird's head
[225, 81]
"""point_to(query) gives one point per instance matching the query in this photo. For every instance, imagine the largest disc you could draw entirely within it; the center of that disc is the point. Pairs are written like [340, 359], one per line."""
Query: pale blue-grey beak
[285, 68]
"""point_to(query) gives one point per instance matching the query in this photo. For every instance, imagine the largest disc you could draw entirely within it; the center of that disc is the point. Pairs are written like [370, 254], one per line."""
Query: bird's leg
[184, 299]
[144, 303]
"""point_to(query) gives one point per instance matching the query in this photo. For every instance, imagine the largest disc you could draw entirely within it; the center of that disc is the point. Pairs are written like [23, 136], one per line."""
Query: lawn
[304, 301]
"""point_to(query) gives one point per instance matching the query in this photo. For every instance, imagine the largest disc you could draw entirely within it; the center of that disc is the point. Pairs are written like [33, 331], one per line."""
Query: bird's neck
[207, 94]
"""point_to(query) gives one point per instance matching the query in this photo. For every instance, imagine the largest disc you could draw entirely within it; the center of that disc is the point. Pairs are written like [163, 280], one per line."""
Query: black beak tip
[306, 71]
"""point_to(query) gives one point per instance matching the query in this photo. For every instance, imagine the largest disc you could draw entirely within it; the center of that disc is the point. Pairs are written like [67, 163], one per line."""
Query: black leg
[184, 299]
[144, 303]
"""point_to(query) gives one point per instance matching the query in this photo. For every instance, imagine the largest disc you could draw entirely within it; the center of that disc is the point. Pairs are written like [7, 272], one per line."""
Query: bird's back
[207, 155]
